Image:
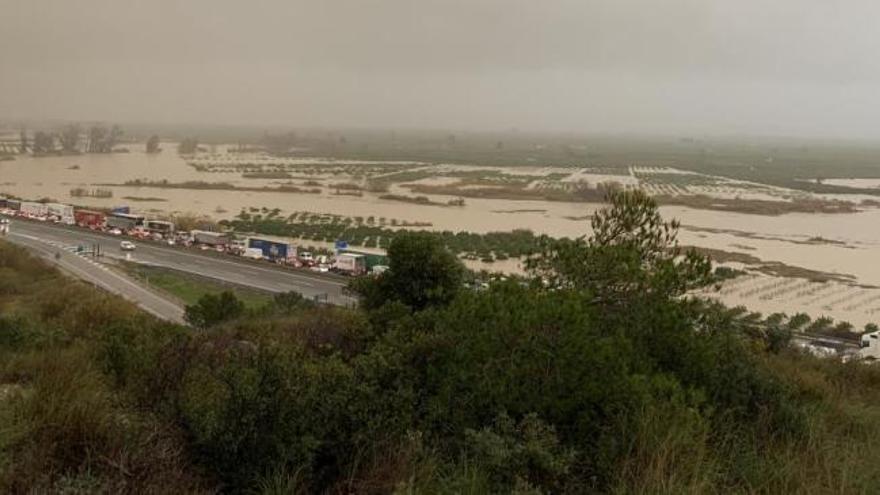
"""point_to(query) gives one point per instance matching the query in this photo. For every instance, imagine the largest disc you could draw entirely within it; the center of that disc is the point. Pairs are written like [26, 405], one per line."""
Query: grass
[97, 397]
[189, 288]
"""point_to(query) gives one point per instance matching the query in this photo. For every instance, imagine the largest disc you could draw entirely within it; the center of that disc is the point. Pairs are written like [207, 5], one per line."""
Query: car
[127, 246]
[115, 232]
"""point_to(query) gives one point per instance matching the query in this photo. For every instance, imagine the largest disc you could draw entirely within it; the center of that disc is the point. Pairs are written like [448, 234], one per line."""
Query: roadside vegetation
[188, 288]
[594, 374]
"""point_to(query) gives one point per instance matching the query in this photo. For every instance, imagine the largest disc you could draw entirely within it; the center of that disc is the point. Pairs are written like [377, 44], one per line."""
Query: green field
[189, 288]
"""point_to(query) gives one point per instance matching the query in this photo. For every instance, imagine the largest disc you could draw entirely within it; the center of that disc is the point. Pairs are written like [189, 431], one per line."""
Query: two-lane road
[224, 268]
[102, 277]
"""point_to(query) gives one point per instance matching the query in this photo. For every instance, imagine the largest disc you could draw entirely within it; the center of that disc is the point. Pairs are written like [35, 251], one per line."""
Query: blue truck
[273, 250]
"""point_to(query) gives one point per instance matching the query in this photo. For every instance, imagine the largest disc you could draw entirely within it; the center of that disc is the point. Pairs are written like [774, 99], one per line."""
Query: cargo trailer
[63, 212]
[209, 238]
[31, 209]
[370, 259]
[89, 218]
[351, 264]
[273, 250]
[159, 227]
[124, 221]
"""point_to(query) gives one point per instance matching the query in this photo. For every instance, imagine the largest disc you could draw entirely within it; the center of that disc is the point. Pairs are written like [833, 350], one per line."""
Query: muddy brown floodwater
[853, 247]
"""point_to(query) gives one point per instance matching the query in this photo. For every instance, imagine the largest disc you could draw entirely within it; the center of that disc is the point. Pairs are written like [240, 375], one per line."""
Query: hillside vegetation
[596, 375]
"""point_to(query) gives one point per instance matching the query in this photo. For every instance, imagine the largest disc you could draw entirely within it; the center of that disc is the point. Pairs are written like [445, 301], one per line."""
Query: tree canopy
[421, 273]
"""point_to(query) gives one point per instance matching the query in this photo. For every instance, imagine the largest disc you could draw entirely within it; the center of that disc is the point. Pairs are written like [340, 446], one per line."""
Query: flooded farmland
[840, 247]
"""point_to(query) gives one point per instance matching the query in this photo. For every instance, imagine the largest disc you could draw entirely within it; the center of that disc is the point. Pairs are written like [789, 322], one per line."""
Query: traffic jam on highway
[122, 222]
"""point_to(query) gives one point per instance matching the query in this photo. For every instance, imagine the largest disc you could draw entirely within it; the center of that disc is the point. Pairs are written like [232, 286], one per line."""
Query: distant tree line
[69, 139]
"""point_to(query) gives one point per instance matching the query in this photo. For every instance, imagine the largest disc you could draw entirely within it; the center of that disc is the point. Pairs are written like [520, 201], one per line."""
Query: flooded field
[844, 246]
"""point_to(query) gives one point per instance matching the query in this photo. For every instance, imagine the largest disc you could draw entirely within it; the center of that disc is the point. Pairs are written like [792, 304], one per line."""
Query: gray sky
[792, 67]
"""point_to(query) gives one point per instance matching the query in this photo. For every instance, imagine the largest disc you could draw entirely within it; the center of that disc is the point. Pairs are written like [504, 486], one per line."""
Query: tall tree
[632, 252]
[44, 142]
[112, 138]
[102, 140]
[97, 136]
[69, 138]
[421, 273]
[153, 144]
[24, 140]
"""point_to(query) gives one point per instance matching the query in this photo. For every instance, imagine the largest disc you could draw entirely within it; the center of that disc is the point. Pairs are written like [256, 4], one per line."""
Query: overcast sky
[782, 67]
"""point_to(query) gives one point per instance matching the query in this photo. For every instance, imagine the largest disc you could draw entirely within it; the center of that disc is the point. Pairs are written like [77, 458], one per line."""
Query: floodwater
[855, 251]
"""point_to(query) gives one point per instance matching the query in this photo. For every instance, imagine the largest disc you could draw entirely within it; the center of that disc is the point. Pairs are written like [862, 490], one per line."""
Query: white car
[126, 246]
[115, 232]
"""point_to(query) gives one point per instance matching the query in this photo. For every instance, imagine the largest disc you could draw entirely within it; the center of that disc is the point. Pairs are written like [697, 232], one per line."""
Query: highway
[264, 276]
[100, 276]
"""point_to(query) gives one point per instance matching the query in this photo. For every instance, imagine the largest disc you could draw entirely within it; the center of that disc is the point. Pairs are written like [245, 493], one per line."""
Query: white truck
[253, 253]
[350, 264]
[34, 210]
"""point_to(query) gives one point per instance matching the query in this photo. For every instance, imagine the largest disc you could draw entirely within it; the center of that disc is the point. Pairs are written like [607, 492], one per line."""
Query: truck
[89, 218]
[370, 259]
[124, 221]
[209, 238]
[350, 264]
[159, 227]
[64, 213]
[252, 253]
[33, 210]
[273, 250]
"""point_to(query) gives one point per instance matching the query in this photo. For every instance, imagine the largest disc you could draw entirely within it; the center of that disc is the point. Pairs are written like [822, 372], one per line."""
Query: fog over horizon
[789, 67]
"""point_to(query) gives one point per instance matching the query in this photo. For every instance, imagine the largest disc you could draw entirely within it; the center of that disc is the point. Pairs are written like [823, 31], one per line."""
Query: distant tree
[188, 146]
[112, 138]
[69, 138]
[97, 136]
[212, 309]
[421, 273]
[871, 328]
[44, 142]
[101, 140]
[153, 144]
[24, 140]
